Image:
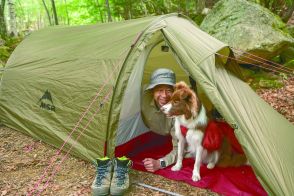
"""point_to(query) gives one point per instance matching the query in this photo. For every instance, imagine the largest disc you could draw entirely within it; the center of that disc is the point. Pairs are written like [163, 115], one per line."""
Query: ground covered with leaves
[282, 99]
[23, 161]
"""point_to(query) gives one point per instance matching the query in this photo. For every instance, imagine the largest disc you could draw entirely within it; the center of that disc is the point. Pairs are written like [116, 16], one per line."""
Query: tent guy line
[54, 158]
[262, 59]
[58, 167]
[270, 68]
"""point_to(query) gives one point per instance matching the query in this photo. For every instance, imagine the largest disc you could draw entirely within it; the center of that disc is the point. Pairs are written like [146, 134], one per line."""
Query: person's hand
[151, 165]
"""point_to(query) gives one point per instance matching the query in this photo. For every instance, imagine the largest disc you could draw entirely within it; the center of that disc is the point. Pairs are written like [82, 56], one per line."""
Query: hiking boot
[120, 179]
[101, 184]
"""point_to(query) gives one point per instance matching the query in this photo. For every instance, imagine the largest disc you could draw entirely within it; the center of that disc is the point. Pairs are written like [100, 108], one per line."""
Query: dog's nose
[163, 108]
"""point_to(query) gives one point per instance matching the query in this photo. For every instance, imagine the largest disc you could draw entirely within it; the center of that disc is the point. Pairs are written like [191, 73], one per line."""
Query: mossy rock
[249, 27]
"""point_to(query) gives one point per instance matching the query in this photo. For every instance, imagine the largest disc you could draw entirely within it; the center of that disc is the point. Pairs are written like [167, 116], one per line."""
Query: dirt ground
[23, 161]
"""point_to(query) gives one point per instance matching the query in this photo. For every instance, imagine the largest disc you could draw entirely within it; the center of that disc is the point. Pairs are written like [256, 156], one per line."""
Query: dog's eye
[176, 102]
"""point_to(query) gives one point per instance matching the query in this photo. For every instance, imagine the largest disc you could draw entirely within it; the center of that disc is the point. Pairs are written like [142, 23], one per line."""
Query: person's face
[162, 94]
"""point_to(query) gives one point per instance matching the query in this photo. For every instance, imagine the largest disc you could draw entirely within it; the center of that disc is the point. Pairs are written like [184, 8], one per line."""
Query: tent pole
[156, 189]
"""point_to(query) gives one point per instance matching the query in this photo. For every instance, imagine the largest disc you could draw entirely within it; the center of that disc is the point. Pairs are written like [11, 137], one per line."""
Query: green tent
[87, 80]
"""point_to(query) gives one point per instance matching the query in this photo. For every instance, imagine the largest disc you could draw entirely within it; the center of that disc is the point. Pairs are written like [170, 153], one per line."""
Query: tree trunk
[126, 12]
[130, 9]
[67, 15]
[54, 12]
[108, 11]
[291, 20]
[143, 7]
[3, 32]
[12, 20]
[100, 11]
[47, 11]
[288, 14]
[200, 5]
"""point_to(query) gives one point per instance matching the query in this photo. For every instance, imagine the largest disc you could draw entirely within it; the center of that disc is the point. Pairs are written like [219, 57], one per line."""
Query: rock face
[287, 56]
[249, 27]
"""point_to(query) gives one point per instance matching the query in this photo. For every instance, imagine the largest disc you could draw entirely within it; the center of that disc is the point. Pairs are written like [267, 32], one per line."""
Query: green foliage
[290, 29]
[31, 14]
[267, 83]
[290, 64]
[4, 52]
[260, 79]
[6, 49]
[283, 8]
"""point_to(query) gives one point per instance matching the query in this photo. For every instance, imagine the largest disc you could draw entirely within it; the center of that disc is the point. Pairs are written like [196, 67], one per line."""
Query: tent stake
[157, 189]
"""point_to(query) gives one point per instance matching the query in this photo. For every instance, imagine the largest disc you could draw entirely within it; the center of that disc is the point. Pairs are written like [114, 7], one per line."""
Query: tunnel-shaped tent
[55, 73]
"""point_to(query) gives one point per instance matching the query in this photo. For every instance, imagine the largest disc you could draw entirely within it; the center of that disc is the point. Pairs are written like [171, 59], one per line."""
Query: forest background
[20, 17]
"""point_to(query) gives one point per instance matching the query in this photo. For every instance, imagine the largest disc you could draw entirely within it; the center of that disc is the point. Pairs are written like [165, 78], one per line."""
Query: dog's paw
[196, 177]
[210, 165]
[176, 168]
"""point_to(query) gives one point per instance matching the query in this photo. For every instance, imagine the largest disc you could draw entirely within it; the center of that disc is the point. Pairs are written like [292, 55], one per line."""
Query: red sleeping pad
[227, 181]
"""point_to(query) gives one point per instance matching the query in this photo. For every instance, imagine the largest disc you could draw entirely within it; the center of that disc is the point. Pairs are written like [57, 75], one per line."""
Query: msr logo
[46, 102]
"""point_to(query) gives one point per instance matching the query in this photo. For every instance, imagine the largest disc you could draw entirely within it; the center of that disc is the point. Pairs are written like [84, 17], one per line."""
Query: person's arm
[170, 158]
[153, 165]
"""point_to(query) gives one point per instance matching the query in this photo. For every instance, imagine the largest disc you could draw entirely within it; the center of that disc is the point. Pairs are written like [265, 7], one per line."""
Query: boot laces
[121, 175]
[101, 171]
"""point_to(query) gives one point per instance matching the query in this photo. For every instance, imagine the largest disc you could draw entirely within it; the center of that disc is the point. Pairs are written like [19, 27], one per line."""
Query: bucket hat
[162, 76]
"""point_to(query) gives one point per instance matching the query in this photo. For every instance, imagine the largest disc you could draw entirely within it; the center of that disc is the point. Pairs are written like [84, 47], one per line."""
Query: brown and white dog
[188, 112]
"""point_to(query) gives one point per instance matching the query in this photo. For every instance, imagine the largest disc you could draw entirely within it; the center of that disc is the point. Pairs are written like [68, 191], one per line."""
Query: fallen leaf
[4, 192]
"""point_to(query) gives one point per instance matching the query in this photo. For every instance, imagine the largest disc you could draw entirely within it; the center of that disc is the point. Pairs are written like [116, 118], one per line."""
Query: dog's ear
[188, 115]
[185, 95]
[181, 85]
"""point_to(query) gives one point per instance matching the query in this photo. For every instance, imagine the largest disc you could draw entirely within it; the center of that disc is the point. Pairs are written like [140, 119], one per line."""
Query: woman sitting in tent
[157, 94]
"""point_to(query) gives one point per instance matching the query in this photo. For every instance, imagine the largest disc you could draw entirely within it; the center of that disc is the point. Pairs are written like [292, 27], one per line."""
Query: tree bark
[54, 12]
[100, 11]
[12, 20]
[143, 7]
[3, 30]
[200, 5]
[47, 11]
[288, 14]
[67, 15]
[291, 20]
[108, 11]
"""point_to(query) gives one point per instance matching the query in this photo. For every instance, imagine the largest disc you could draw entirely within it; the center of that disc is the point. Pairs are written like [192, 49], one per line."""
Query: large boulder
[249, 27]
[287, 56]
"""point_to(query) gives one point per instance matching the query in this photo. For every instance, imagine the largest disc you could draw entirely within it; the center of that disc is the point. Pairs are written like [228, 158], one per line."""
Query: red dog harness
[184, 130]
[214, 134]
